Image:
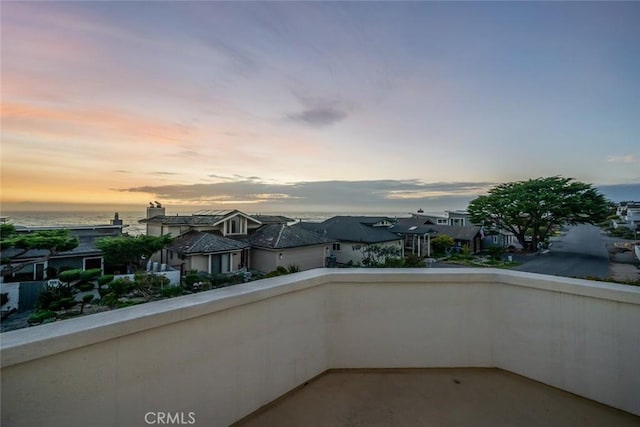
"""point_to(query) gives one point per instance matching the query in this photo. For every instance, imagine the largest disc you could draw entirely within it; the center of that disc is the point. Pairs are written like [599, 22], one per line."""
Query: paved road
[580, 252]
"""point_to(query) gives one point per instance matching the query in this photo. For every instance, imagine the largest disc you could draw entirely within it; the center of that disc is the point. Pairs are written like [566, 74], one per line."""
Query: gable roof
[281, 236]
[199, 218]
[199, 242]
[352, 229]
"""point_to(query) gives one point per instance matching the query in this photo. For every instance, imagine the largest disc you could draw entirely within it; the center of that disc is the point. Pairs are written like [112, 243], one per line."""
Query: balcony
[216, 357]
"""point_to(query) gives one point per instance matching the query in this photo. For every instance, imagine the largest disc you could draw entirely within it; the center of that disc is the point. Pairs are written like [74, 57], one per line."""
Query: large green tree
[531, 209]
[131, 251]
[15, 245]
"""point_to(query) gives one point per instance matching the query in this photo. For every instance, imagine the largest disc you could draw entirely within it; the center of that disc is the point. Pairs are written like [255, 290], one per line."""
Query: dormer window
[236, 225]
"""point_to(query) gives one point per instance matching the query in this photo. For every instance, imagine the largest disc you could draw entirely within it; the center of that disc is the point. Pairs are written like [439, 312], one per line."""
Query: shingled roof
[280, 236]
[464, 233]
[198, 242]
[352, 229]
[198, 218]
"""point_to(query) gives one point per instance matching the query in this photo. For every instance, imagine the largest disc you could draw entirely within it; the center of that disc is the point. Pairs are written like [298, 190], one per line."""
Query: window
[336, 246]
[495, 239]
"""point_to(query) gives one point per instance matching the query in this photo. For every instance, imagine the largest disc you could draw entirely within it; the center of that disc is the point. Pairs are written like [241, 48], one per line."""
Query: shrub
[413, 261]
[90, 274]
[69, 275]
[119, 287]
[40, 316]
[85, 286]
[496, 252]
[87, 298]
[392, 262]
[171, 291]
[150, 281]
[45, 299]
[110, 300]
[191, 278]
[55, 305]
[68, 302]
[105, 279]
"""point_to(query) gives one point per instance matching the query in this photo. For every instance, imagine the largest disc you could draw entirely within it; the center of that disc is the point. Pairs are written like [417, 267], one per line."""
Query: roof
[272, 219]
[281, 236]
[198, 242]
[467, 232]
[352, 229]
[199, 218]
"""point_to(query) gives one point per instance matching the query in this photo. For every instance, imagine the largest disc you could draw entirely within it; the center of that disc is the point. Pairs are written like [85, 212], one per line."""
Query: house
[85, 256]
[275, 245]
[355, 236]
[226, 241]
[222, 222]
[417, 233]
[207, 252]
[629, 212]
[211, 251]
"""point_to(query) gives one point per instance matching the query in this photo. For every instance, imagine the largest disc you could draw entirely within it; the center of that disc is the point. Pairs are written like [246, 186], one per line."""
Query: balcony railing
[220, 355]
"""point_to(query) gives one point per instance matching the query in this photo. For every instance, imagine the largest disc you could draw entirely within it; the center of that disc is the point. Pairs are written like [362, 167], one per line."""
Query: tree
[14, 245]
[531, 209]
[131, 251]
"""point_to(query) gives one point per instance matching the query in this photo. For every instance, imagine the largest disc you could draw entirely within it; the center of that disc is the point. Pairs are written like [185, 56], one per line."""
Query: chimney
[155, 210]
[116, 220]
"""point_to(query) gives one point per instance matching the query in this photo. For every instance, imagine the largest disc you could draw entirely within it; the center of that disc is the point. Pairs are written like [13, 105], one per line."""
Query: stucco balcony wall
[223, 354]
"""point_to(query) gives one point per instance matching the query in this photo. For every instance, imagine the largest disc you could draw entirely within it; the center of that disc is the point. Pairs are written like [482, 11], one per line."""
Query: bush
[105, 279]
[171, 291]
[496, 252]
[68, 302]
[119, 287]
[55, 305]
[40, 316]
[45, 299]
[69, 275]
[85, 286]
[90, 274]
[151, 281]
[413, 261]
[87, 298]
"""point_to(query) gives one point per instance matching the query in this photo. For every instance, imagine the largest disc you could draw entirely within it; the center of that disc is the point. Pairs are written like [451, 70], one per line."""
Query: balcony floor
[433, 397]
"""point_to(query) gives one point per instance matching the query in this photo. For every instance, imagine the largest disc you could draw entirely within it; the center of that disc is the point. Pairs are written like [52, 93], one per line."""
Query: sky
[300, 106]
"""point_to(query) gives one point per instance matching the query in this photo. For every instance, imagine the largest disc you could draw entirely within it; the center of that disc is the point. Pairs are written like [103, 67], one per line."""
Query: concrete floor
[433, 397]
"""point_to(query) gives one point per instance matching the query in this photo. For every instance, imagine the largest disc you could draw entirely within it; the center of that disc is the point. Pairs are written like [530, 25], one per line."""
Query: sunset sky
[314, 106]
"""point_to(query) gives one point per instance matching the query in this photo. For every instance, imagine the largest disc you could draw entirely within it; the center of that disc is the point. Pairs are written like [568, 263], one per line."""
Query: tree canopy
[131, 251]
[52, 241]
[531, 209]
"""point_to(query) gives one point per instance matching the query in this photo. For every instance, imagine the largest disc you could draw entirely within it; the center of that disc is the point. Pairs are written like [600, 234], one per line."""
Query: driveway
[580, 251]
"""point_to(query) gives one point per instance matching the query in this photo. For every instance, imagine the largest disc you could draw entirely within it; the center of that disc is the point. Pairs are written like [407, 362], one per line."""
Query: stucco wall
[263, 260]
[224, 353]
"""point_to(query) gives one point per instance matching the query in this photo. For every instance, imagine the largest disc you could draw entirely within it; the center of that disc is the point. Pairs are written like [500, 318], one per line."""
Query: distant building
[85, 256]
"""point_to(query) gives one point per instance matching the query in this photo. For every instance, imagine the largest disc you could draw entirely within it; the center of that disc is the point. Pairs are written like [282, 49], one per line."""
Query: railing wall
[219, 355]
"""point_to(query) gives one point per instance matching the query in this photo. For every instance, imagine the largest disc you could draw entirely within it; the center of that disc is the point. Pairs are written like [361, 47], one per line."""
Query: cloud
[163, 173]
[319, 116]
[629, 158]
[313, 194]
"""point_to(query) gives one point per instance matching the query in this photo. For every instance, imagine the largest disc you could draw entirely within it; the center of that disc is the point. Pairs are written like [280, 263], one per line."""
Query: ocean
[130, 219]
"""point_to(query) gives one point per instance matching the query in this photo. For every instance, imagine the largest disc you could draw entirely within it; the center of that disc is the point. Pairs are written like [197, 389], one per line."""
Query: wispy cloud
[320, 116]
[629, 158]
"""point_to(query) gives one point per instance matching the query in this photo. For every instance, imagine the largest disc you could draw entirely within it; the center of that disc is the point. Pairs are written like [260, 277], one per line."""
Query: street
[579, 252]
